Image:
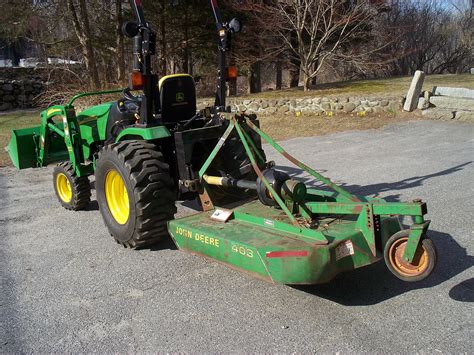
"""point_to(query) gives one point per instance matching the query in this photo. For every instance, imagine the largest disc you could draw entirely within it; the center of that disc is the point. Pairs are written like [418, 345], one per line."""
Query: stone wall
[19, 94]
[448, 103]
[313, 105]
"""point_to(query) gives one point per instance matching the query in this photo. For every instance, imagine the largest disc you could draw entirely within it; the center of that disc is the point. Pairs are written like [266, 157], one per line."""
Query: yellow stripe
[162, 80]
[53, 110]
[87, 120]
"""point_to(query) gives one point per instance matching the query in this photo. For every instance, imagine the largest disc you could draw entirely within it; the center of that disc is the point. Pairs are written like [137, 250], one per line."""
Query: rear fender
[147, 134]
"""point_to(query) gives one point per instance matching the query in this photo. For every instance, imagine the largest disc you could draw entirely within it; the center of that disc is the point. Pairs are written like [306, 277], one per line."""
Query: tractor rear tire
[72, 191]
[135, 193]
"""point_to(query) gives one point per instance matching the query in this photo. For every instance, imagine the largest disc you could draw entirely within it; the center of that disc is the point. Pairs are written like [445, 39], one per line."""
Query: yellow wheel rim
[117, 197]
[64, 188]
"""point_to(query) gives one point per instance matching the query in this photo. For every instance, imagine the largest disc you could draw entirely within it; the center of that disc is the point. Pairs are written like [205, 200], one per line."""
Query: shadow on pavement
[93, 206]
[163, 245]
[375, 283]
[463, 291]
[375, 189]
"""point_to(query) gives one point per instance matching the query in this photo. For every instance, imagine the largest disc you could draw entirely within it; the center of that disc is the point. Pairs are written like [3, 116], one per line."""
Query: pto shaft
[230, 182]
[285, 187]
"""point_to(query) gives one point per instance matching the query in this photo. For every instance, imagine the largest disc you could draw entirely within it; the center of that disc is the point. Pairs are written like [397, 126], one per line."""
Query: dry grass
[288, 126]
[379, 87]
[277, 126]
[283, 127]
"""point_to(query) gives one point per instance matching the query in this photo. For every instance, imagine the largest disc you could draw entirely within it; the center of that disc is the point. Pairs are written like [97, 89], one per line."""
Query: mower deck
[253, 240]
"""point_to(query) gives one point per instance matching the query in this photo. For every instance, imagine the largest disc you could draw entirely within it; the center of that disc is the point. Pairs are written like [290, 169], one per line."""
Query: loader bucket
[23, 147]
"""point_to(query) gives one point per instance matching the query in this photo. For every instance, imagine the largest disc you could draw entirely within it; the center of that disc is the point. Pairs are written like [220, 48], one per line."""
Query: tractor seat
[178, 98]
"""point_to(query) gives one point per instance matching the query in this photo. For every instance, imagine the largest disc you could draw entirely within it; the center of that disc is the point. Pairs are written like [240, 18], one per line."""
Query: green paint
[23, 146]
[94, 113]
[264, 180]
[216, 149]
[56, 129]
[255, 150]
[244, 245]
[366, 224]
[147, 134]
[417, 231]
[93, 123]
[336, 231]
[62, 135]
[275, 219]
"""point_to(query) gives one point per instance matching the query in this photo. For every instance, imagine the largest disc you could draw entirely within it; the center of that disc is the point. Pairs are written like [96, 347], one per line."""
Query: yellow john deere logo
[179, 97]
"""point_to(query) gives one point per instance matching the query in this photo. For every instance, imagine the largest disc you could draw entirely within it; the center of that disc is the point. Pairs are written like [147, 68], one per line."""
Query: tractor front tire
[135, 193]
[73, 192]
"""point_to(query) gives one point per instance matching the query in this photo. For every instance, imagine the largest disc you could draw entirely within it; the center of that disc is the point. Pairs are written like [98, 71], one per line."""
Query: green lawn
[381, 87]
[14, 120]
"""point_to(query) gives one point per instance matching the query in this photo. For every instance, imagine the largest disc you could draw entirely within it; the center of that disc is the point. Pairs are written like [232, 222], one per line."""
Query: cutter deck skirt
[276, 255]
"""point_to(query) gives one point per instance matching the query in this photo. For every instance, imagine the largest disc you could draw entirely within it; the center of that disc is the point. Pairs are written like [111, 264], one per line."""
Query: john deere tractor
[144, 150]
[152, 147]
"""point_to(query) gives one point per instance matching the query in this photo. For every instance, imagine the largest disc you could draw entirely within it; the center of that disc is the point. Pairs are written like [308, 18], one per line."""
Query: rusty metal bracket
[417, 231]
[366, 223]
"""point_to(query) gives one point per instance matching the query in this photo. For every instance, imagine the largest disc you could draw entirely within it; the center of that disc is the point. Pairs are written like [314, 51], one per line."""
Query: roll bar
[225, 32]
[138, 9]
[144, 47]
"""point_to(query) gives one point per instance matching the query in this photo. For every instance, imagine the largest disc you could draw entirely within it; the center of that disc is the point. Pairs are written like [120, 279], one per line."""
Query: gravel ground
[67, 287]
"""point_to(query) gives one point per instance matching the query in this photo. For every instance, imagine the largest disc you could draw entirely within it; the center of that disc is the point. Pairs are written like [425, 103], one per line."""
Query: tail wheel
[73, 192]
[423, 262]
[135, 192]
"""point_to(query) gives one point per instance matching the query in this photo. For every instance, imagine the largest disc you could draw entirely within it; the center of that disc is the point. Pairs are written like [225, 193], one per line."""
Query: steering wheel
[127, 94]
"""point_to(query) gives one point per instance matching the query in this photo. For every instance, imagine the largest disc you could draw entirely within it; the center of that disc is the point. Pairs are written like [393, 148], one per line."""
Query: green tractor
[150, 150]
[144, 150]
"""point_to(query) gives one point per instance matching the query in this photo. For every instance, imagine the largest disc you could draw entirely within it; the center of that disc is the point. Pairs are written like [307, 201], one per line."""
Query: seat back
[178, 97]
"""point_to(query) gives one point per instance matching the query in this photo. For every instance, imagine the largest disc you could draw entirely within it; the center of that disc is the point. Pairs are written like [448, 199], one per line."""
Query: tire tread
[81, 190]
[153, 189]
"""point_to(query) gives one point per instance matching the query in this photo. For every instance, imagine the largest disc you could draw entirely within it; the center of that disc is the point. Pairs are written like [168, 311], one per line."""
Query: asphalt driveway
[67, 287]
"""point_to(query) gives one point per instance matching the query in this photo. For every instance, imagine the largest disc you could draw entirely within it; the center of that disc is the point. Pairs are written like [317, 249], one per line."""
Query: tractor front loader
[149, 150]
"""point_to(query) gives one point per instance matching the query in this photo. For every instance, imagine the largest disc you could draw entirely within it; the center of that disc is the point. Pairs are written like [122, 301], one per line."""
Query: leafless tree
[315, 30]
[120, 40]
[80, 19]
[432, 36]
